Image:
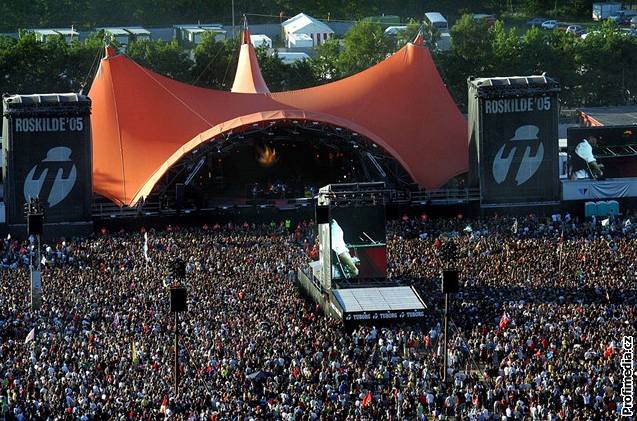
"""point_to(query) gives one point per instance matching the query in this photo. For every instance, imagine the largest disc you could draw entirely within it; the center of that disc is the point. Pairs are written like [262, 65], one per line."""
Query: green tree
[471, 54]
[409, 34]
[284, 77]
[606, 62]
[30, 66]
[364, 45]
[166, 58]
[325, 63]
[215, 62]
[551, 52]
[506, 50]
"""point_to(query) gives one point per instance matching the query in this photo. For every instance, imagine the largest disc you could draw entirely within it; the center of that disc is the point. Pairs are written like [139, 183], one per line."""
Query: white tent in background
[300, 41]
[289, 57]
[318, 31]
[260, 40]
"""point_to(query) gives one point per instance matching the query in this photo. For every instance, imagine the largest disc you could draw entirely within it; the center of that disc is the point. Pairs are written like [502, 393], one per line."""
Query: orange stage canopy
[143, 122]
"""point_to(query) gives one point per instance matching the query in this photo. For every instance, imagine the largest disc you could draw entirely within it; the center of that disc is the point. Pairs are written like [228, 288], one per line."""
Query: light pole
[34, 213]
[449, 286]
[233, 34]
[177, 305]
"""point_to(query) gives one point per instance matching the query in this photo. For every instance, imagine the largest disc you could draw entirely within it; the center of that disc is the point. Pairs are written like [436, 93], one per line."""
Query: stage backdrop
[513, 139]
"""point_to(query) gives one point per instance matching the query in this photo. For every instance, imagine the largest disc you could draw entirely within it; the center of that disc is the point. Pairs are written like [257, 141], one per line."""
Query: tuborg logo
[529, 164]
[52, 179]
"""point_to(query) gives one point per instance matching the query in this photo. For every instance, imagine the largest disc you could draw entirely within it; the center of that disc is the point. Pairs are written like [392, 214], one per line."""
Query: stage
[386, 302]
[395, 303]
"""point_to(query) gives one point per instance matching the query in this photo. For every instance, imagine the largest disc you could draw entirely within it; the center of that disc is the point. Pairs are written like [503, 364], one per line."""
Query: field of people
[536, 331]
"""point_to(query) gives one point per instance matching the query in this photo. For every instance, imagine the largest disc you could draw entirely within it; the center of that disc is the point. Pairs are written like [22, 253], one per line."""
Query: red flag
[504, 320]
[367, 400]
[437, 244]
[164, 405]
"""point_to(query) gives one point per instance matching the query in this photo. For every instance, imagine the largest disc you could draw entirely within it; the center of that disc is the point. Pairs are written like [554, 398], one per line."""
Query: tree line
[20, 14]
[595, 71]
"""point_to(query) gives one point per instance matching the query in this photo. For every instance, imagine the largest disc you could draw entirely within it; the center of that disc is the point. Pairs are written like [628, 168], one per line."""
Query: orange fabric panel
[248, 78]
[143, 122]
[108, 170]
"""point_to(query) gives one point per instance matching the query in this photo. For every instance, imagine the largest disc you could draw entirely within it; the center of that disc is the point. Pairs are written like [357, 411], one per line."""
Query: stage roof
[143, 122]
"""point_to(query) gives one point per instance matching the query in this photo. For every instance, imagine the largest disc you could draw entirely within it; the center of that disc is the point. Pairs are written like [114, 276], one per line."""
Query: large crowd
[535, 333]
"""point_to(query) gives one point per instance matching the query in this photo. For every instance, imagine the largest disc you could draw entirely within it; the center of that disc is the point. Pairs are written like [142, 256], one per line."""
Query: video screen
[602, 152]
[357, 242]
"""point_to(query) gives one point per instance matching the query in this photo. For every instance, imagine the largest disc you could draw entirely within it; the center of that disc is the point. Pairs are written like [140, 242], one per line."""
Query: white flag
[115, 324]
[627, 223]
[8, 236]
[146, 247]
[605, 222]
[30, 336]
[43, 261]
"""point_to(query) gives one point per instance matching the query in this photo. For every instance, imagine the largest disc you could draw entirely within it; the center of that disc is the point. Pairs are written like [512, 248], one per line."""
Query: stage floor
[384, 303]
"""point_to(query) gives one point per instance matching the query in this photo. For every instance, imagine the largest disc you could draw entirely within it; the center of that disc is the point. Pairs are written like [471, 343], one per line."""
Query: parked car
[550, 24]
[489, 19]
[630, 32]
[583, 36]
[576, 30]
[623, 17]
[535, 22]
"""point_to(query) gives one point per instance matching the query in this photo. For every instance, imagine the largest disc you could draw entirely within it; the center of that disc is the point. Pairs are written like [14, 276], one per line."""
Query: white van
[437, 21]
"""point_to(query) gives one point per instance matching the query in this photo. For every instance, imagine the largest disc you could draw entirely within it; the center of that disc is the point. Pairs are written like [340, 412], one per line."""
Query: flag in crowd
[115, 324]
[134, 356]
[367, 400]
[146, 247]
[504, 321]
[30, 336]
[164, 405]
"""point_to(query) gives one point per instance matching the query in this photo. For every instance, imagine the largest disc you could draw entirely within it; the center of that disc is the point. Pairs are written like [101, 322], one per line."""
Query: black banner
[49, 156]
[519, 149]
[374, 316]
